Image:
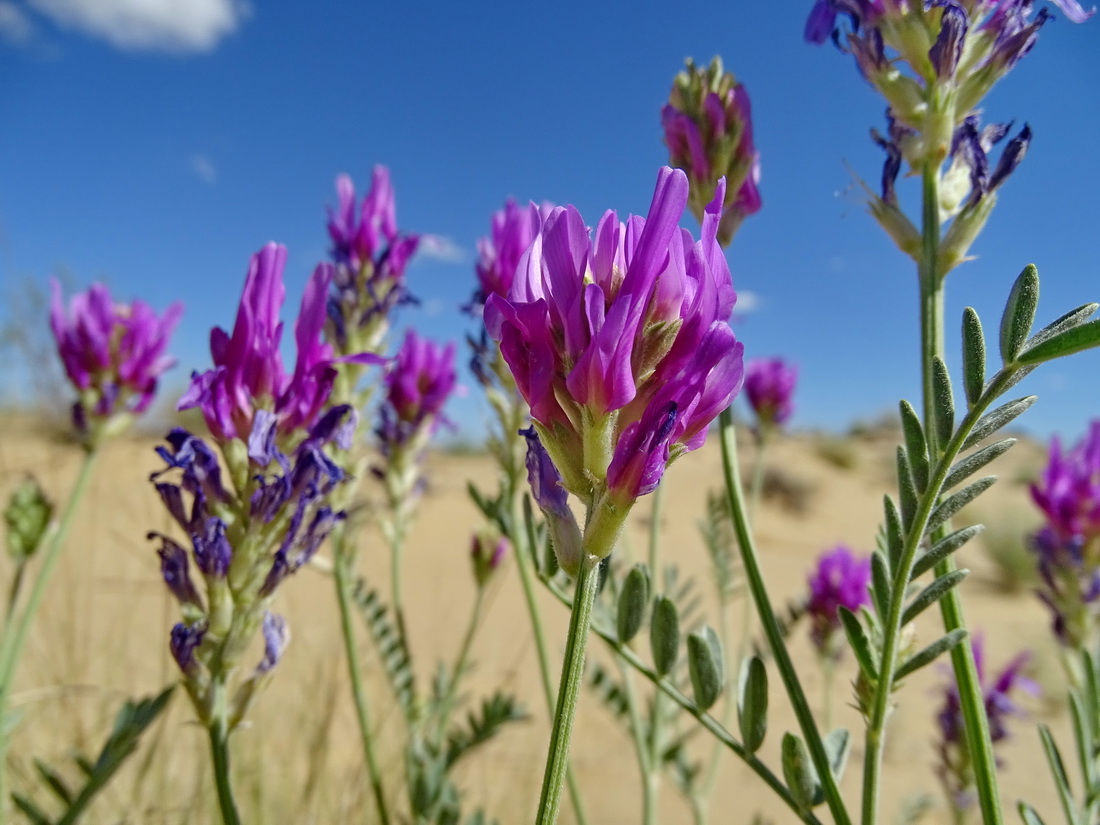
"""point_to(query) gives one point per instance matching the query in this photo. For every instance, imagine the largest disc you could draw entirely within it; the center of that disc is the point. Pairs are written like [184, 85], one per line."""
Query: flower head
[620, 342]
[418, 384]
[513, 229]
[113, 354]
[708, 129]
[1068, 546]
[370, 256]
[769, 385]
[839, 580]
[248, 374]
[955, 767]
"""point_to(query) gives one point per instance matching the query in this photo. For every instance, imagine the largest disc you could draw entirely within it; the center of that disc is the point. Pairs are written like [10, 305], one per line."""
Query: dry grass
[102, 636]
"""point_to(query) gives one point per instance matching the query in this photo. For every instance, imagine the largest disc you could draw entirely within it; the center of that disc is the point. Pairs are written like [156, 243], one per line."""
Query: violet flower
[114, 354]
[840, 579]
[769, 386]
[1068, 546]
[418, 385]
[621, 346]
[487, 552]
[708, 130]
[512, 230]
[370, 257]
[248, 373]
[955, 768]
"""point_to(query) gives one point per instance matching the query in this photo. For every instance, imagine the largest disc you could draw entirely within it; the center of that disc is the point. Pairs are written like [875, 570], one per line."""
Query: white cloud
[746, 302]
[202, 166]
[15, 26]
[441, 249]
[151, 25]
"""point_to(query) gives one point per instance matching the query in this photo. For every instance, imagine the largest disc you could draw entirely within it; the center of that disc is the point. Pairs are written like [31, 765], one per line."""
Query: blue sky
[156, 145]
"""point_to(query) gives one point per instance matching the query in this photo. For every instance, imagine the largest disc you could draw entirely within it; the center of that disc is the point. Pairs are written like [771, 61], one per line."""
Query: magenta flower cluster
[769, 388]
[839, 580]
[708, 129]
[417, 386]
[248, 373]
[1068, 545]
[620, 342]
[114, 354]
[512, 230]
[370, 256]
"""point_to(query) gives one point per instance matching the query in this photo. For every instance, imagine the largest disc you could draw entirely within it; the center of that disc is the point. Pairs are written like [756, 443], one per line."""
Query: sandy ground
[102, 636]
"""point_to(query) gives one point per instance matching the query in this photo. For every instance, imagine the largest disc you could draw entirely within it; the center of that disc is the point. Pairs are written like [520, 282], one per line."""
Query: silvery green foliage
[131, 721]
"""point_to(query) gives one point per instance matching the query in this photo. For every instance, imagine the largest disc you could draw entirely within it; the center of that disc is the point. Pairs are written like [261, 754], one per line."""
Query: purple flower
[1068, 547]
[513, 229]
[769, 385]
[487, 552]
[840, 579]
[955, 767]
[708, 130]
[248, 373]
[370, 257]
[606, 336]
[113, 354]
[276, 638]
[418, 384]
[822, 24]
[184, 640]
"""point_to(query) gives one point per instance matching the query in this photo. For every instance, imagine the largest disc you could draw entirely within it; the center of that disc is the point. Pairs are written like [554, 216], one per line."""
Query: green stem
[16, 630]
[772, 631]
[757, 484]
[637, 730]
[655, 529]
[447, 706]
[219, 749]
[971, 697]
[571, 676]
[524, 545]
[652, 776]
[342, 575]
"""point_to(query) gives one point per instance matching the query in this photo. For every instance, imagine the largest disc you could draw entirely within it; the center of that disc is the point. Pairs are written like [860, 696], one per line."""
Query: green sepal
[1076, 339]
[880, 583]
[916, 446]
[995, 420]
[837, 744]
[955, 502]
[973, 356]
[798, 771]
[633, 601]
[1019, 313]
[944, 548]
[944, 402]
[930, 653]
[664, 635]
[907, 491]
[705, 667]
[752, 703]
[932, 594]
[975, 461]
[858, 641]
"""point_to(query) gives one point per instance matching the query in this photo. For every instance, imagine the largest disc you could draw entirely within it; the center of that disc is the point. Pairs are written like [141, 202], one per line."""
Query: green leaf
[1057, 768]
[975, 461]
[664, 635]
[1028, 814]
[798, 772]
[28, 808]
[973, 360]
[388, 640]
[633, 601]
[857, 640]
[1081, 734]
[895, 534]
[54, 782]
[944, 406]
[1073, 318]
[951, 505]
[880, 583]
[915, 445]
[610, 691]
[1076, 339]
[932, 594]
[708, 673]
[907, 491]
[1019, 313]
[837, 744]
[995, 420]
[498, 710]
[752, 703]
[930, 653]
[944, 548]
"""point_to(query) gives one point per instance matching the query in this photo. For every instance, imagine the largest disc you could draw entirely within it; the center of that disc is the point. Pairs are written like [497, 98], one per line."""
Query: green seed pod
[752, 703]
[707, 669]
[28, 519]
[632, 603]
[664, 635]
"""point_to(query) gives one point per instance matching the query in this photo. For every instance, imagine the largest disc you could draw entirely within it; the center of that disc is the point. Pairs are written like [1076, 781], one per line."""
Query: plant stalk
[219, 750]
